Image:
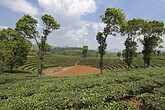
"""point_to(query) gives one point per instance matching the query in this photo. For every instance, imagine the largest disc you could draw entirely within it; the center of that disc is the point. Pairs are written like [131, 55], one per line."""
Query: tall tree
[102, 46]
[158, 52]
[85, 50]
[131, 28]
[64, 53]
[27, 27]
[152, 30]
[113, 19]
[48, 48]
[14, 48]
[119, 54]
[130, 51]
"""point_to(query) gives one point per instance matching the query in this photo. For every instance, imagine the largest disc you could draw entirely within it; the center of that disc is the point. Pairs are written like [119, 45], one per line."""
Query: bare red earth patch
[132, 101]
[30, 56]
[72, 71]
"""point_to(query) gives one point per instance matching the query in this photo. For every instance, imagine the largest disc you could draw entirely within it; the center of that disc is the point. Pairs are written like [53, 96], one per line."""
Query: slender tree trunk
[12, 66]
[148, 63]
[128, 67]
[41, 66]
[145, 64]
[101, 64]
[84, 56]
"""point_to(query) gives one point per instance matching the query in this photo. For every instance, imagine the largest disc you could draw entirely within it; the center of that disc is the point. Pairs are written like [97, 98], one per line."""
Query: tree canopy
[14, 48]
[113, 19]
[85, 50]
[131, 28]
[151, 30]
[27, 26]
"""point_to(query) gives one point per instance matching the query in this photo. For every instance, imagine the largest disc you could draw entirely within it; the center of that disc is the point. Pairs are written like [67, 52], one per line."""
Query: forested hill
[77, 51]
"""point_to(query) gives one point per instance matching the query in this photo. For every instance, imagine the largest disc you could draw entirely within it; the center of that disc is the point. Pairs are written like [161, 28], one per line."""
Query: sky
[80, 19]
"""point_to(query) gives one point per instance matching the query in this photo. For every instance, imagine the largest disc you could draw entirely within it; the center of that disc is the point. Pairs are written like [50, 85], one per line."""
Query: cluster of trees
[27, 27]
[13, 49]
[14, 43]
[150, 32]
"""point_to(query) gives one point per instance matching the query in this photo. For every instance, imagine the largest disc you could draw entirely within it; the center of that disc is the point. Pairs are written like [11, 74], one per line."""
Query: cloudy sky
[80, 19]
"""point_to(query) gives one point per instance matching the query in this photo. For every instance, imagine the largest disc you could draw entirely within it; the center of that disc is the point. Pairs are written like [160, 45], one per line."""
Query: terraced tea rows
[32, 64]
[119, 64]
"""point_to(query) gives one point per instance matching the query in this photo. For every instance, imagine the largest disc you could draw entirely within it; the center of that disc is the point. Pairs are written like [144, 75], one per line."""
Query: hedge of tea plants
[108, 91]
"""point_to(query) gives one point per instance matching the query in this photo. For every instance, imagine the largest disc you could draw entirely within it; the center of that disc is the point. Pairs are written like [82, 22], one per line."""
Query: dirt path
[71, 71]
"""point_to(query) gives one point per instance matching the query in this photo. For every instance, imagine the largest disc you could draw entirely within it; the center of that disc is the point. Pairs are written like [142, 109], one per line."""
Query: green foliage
[14, 49]
[158, 52]
[64, 53]
[107, 91]
[32, 65]
[85, 50]
[151, 30]
[132, 29]
[102, 46]
[33, 50]
[113, 18]
[115, 63]
[76, 51]
[27, 27]
[119, 54]
[47, 47]
[130, 51]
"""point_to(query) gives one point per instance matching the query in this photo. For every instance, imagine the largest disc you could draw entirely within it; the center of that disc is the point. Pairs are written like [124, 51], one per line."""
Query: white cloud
[78, 34]
[21, 6]
[69, 7]
[1, 27]
[85, 40]
[98, 26]
[68, 12]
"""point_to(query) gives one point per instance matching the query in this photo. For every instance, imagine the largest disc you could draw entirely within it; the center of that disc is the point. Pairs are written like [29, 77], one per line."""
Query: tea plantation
[28, 91]
[32, 64]
[118, 64]
[25, 90]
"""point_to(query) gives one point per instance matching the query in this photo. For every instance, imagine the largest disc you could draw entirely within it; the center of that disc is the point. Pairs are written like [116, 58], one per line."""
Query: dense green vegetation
[13, 49]
[106, 91]
[75, 51]
[27, 27]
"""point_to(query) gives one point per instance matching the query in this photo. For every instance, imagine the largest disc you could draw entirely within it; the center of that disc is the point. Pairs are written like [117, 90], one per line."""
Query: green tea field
[120, 89]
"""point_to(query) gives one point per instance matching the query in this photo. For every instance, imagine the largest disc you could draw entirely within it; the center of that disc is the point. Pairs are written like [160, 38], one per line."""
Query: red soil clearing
[75, 70]
[133, 101]
[30, 56]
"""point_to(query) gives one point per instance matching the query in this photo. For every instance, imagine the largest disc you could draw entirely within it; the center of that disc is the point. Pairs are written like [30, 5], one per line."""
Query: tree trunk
[101, 64]
[128, 67]
[148, 63]
[84, 56]
[11, 68]
[41, 66]
[145, 64]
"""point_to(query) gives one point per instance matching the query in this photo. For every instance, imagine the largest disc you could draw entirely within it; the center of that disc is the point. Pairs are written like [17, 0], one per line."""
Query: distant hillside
[77, 51]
